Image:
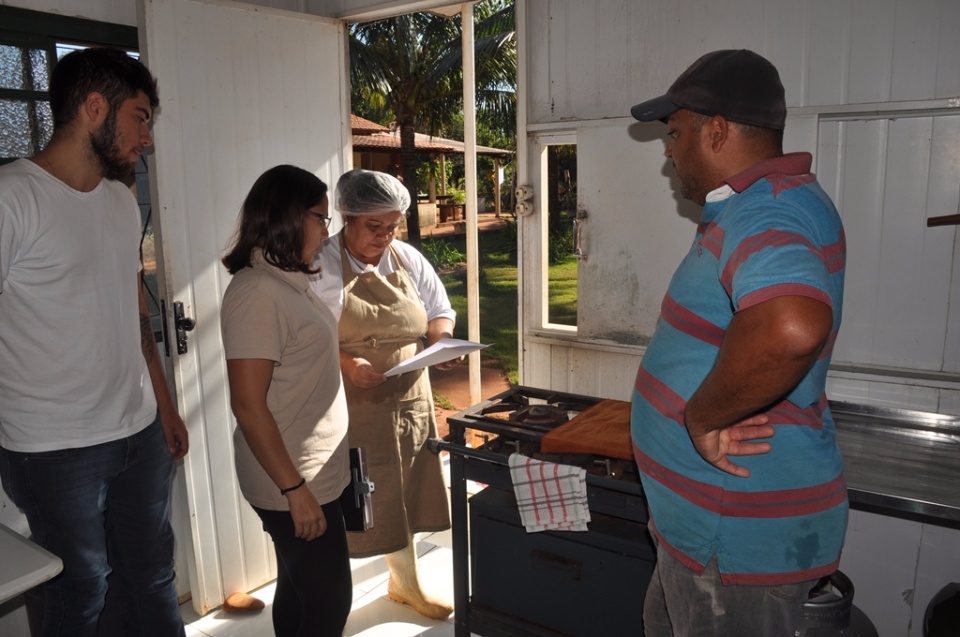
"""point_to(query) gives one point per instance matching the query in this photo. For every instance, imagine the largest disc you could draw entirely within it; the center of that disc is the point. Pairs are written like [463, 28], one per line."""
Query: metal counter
[901, 463]
[24, 564]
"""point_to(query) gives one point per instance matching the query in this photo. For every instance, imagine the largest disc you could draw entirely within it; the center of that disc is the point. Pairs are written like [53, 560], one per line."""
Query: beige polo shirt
[271, 314]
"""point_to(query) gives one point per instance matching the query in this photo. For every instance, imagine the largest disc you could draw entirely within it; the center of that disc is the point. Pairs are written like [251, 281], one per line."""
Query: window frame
[544, 142]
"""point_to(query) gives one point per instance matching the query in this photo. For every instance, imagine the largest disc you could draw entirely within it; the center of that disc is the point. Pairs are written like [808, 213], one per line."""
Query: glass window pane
[562, 210]
[44, 124]
[148, 247]
[25, 127]
[23, 69]
[63, 49]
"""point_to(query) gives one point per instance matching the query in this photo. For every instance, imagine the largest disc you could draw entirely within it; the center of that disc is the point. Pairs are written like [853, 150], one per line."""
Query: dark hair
[766, 136]
[272, 219]
[110, 72]
[770, 137]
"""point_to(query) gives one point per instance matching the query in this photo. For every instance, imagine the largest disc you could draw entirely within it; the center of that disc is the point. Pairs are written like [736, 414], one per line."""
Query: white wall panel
[869, 45]
[584, 372]
[944, 199]
[910, 310]
[880, 556]
[947, 28]
[591, 368]
[828, 59]
[896, 567]
[596, 61]
[938, 564]
[855, 185]
[891, 176]
[786, 42]
[588, 64]
[593, 61]
[536, 365]
[617, 374]
[914, 52]
[560, 368]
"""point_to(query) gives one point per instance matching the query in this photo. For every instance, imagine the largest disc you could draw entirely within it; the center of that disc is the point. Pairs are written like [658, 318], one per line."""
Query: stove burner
[508, 404]
[541, 415]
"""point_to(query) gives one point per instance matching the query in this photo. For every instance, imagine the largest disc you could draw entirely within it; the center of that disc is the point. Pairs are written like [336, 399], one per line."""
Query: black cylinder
[829, 612]
[942, 618]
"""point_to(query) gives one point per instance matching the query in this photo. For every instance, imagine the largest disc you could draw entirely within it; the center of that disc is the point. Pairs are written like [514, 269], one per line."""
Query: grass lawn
[562, 301]
[498, 297]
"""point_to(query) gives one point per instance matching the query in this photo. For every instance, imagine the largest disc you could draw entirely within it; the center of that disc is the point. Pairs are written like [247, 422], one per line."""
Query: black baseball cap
[740, 85]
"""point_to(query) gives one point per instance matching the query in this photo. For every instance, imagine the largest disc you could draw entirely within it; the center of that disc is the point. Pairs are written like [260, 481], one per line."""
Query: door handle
[183, 324]
[946, 220]
[578, 235]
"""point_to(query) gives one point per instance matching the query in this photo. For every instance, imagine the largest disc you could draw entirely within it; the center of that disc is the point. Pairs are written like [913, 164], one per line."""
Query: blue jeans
[80, 503]
[680, 603]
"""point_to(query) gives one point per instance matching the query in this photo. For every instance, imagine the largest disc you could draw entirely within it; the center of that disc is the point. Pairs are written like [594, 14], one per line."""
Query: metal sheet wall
[588, 64]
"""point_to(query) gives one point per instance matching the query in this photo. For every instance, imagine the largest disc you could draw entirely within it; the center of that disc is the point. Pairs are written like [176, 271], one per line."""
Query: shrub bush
[441, 255]
[560, 244]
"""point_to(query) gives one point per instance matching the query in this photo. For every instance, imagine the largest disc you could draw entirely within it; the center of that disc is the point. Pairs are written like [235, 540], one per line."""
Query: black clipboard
[355, 501]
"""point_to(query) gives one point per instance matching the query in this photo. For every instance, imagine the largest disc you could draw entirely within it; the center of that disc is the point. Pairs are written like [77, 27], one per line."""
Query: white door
[242, 89]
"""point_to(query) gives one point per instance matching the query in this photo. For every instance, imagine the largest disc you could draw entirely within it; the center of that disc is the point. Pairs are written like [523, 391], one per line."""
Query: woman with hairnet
[388, 300]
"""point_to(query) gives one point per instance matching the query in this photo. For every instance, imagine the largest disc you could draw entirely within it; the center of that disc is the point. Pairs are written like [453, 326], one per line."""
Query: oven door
[576, 584]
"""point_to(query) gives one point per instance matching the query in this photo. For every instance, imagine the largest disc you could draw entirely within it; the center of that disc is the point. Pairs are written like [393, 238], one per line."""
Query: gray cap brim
[659, 108]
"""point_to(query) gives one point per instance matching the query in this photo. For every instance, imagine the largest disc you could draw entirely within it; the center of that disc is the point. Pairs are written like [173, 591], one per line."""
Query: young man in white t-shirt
[88, 429]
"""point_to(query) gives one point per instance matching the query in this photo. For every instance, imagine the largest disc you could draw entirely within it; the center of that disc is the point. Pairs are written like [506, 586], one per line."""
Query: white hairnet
[369, 192]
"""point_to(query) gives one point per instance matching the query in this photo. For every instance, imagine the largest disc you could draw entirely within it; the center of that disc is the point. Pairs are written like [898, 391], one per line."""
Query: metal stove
[508, 582]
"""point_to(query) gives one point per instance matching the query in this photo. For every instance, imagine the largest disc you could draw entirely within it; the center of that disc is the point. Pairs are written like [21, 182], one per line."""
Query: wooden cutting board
[603, 429]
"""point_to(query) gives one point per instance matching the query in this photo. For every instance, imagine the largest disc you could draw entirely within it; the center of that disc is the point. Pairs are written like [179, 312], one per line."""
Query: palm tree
[409, 68]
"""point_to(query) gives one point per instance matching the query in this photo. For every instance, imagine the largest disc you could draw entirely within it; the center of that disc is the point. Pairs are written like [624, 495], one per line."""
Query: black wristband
[302, 482]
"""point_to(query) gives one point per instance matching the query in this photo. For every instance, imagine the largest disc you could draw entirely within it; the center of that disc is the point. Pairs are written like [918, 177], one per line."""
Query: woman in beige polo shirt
[283, 366]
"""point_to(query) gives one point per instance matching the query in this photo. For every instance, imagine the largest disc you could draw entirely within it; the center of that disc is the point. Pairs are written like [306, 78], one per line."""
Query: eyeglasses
[326, 219]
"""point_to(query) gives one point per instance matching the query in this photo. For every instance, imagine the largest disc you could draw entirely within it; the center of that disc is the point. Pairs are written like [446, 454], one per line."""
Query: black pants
[314, 585]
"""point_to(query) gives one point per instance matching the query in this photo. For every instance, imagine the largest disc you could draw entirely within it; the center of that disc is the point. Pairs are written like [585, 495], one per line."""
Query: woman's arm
[249, 380]
[438, 328]
[359, 371]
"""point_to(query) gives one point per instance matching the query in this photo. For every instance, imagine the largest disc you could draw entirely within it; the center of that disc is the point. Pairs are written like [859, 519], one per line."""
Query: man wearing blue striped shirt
[731, 426]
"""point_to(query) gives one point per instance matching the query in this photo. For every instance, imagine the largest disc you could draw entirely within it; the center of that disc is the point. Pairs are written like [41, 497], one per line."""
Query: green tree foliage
[409, 70]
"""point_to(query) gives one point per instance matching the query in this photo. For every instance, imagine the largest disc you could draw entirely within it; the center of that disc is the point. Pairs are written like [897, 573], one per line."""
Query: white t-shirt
[72, 372]
[328, 285]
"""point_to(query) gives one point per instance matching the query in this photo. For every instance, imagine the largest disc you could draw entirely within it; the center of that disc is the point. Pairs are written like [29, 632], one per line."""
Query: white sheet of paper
[445, 349]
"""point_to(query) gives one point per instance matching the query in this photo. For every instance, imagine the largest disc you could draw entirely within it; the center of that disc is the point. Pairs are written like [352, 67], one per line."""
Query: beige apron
[383, 320]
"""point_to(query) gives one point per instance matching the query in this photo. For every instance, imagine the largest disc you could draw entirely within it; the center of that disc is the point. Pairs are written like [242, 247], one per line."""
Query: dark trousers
[314, 584]
[81, 502]
[680, 603]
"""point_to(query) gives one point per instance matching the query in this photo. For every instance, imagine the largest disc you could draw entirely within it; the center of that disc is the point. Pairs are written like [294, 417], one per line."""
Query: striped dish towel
[550, 497]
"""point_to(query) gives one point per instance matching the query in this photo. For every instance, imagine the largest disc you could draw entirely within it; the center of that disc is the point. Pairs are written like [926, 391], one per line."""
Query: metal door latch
[183, 324]
[577, 235]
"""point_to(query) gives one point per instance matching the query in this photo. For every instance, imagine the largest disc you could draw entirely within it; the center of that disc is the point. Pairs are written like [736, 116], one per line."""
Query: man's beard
[692, 186]
[107, 152]
[692, 190]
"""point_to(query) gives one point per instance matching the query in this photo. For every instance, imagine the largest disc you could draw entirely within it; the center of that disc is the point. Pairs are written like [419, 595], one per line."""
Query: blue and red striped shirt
[770, 231]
